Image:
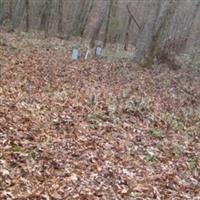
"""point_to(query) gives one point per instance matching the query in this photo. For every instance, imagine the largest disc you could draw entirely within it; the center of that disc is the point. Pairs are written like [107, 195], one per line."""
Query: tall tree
[82, 14]
[157, 21]
[6, 7]
[126, 41]
[27, 14]
[84, 23]
[108, 23]
[130, 19]
[46, 14]
[99, 24]
[194, 15]
[60, 20]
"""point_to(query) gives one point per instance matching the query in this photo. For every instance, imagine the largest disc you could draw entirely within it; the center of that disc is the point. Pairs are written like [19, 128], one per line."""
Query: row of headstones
[75, 55]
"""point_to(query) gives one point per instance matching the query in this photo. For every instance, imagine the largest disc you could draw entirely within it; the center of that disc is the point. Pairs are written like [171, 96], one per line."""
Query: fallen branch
[132, 16]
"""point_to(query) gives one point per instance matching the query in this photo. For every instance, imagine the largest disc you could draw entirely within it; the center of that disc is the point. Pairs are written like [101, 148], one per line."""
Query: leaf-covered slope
[96, 130]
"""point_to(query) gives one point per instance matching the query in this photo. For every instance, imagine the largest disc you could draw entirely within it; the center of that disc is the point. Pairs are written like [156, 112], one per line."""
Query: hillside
[95, 129]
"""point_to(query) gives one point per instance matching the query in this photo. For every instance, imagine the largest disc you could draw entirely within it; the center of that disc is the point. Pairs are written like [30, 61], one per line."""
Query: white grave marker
[74, 53]
[98, 51]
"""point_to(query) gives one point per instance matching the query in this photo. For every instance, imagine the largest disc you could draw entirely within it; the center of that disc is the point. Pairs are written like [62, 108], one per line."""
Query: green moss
[148, 156]
[192, 163]
[155, 133]
[176, 150]
[16, 148]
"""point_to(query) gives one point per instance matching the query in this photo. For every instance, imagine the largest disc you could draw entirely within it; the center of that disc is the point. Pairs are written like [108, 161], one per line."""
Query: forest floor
[96, 129]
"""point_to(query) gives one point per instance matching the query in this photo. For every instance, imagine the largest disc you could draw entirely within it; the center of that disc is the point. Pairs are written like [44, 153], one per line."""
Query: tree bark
[90, 6]
[98, 25]
[6, 8]
[60, 20]
[46, 14]
[107, 24]
[194, 15]
[157, 22]
[126, 41]
[27, 14]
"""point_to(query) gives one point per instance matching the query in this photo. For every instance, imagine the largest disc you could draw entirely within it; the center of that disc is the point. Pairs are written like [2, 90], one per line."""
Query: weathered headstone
[98, 51]
[75, 53]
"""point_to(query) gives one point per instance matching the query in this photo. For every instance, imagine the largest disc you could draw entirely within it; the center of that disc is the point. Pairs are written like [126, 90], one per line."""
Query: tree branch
[132, 16]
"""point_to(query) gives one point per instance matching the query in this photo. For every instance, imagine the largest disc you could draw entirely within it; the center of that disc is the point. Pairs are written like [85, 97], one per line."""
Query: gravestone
[75, 53]
[98, 51]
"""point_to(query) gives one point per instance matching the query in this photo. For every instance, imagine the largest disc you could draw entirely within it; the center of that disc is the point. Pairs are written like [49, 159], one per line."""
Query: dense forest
[99, 99]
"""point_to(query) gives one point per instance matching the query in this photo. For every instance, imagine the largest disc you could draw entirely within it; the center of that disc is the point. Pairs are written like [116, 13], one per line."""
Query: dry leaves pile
[96, 130]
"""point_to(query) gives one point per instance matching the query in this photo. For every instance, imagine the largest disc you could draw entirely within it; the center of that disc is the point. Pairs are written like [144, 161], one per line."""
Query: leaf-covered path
[96, 130]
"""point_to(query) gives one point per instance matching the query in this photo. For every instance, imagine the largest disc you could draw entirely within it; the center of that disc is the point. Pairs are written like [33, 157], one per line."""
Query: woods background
[149, 25]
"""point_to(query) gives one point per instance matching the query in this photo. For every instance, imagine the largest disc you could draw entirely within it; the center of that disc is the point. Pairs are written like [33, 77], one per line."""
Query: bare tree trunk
[126, 41]
[19, 14]
[27, 15]
[145, 37]
[60, 20]
[98, 25]
[81, 17]
[45, 20]
[107, 24]
[10, 3]
[90, 6]
[157, 22]
[6, 13]
[194, 15]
